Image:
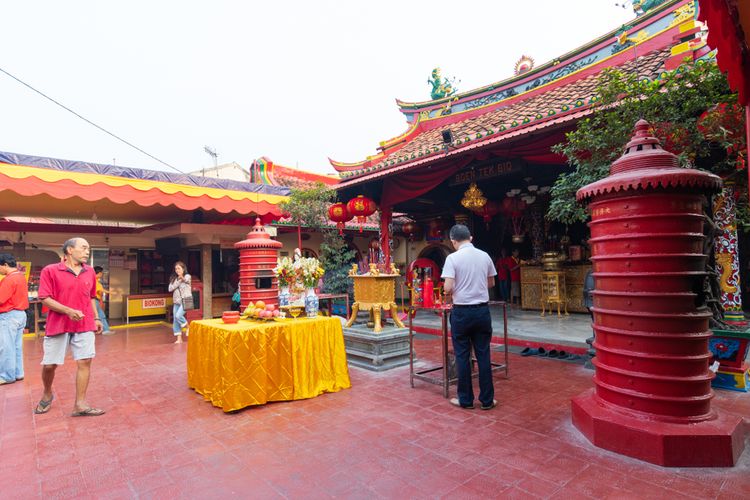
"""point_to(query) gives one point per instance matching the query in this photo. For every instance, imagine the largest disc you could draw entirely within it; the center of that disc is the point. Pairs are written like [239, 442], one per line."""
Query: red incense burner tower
[258, 256]
[652, 395]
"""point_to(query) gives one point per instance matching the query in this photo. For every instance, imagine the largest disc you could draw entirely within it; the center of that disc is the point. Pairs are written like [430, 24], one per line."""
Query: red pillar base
[712, 443]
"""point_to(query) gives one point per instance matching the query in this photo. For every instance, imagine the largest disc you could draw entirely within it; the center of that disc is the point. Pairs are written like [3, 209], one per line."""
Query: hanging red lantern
[410, 229]
[361, 207]
[435, 230]
[489, 210]
[339, 214]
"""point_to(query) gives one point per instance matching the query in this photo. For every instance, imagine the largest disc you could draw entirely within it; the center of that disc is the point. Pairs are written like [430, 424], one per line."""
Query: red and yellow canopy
[35, 191]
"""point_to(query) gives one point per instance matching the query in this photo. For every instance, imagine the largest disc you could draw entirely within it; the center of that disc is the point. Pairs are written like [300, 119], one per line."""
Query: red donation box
[652, 394]
[258, 256]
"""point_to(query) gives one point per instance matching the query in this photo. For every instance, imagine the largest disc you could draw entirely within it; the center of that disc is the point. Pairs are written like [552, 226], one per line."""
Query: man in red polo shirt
[14, 300]
[68, 289]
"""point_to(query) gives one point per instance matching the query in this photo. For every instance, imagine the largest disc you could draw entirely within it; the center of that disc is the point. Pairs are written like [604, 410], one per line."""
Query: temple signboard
[487, 171]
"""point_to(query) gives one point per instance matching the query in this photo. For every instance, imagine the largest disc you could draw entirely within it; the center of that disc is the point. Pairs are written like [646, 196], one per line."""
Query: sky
[296, 81]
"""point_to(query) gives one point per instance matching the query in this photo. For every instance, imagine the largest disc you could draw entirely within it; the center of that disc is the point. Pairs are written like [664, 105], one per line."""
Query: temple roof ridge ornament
[441, 87]
[524, 65]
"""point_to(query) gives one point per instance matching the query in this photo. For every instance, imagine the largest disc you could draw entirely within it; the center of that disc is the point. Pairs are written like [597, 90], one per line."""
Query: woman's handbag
[187, 301]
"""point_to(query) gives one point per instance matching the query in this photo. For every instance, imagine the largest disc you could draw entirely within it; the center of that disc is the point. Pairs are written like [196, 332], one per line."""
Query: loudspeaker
[447, 136]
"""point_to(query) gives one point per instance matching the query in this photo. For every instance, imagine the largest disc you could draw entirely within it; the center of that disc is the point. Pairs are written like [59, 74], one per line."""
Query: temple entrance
[436, 253]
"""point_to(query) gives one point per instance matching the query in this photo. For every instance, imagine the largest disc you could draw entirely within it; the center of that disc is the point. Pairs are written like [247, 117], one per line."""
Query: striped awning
[44, 192]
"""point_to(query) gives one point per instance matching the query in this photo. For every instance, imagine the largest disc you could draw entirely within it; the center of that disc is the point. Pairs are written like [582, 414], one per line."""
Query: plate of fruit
[261, 311]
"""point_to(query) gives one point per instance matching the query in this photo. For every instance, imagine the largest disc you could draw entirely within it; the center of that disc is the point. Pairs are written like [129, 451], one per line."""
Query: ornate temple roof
[559, 91]
[265, 172]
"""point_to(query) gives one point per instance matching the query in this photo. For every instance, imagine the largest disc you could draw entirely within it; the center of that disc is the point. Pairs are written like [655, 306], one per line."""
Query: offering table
[254, 362]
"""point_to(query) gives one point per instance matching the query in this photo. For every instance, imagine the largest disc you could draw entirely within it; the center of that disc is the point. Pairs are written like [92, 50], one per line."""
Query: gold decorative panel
[531, 287]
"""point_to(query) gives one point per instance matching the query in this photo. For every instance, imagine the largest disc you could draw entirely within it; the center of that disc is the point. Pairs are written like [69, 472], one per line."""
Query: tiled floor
[379, 439]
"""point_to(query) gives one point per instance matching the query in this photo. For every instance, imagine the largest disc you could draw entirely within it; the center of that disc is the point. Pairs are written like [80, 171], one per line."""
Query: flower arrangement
[285, 271]
[309, 271]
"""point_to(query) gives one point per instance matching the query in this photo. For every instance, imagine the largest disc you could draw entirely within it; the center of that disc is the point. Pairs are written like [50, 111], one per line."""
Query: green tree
[308, 206]
[673, 106]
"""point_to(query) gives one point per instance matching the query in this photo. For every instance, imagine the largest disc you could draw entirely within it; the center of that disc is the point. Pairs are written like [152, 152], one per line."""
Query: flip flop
[44, 406]
[542, 351]
[552, 353]
[528, 352]
[88, 412]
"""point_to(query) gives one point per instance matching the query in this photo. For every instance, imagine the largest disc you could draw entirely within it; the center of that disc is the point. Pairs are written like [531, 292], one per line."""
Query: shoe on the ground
[494, 404]
[456, 402]
[108, 332]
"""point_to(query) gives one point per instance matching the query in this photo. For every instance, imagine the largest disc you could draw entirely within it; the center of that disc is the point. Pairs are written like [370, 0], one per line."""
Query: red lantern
[489, 210]
[410, 229]
[435, 230]
[361, 208]
[340, 215]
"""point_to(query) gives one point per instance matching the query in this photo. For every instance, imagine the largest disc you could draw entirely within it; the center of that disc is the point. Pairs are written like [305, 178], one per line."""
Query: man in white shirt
[469, 273]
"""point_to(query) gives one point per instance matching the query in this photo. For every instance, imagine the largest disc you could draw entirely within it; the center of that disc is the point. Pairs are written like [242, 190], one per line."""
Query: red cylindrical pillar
[258, 256]
[652, 396]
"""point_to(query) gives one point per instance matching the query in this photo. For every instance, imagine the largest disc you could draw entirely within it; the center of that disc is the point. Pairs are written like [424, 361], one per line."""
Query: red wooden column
[652, 395]
[386, 216]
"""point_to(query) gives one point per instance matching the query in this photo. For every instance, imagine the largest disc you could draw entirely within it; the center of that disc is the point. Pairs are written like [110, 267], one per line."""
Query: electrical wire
[90, 122]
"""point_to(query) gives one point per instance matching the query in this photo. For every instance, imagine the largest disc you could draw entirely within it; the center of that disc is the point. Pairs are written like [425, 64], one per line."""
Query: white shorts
[81, 347]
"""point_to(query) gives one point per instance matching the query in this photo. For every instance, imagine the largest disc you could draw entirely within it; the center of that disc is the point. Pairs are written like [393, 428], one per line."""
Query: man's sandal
[43, 406]
[88, 412]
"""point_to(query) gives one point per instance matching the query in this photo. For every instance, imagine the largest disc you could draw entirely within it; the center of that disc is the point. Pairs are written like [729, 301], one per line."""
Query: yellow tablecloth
[251, 363]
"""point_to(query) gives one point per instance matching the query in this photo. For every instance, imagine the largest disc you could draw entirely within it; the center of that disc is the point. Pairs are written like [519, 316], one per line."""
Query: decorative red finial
[643, 151]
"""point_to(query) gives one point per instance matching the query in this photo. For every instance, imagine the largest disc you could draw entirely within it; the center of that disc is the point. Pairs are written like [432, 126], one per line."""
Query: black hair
[6, 258]
[98, 269]
[174, 274]
[459, 232]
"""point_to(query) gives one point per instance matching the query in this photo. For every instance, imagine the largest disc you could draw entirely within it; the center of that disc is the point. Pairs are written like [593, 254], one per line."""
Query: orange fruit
[260, 305]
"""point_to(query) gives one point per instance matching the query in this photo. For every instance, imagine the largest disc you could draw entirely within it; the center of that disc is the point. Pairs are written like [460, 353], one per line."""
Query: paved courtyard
[379, 439]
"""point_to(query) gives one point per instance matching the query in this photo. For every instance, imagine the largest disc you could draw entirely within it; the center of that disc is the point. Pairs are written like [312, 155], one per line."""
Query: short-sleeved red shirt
[14, 294]
[60, 283]
[510, 263]
[502, 270]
